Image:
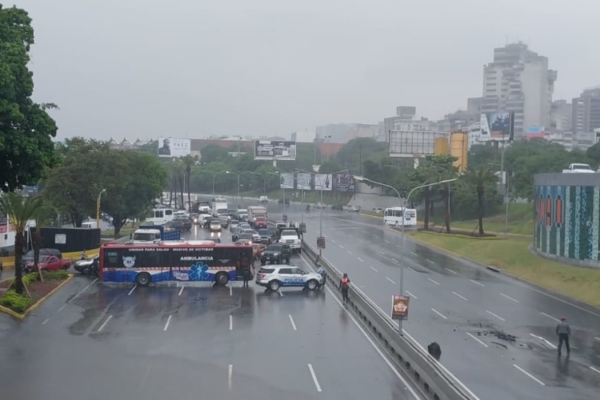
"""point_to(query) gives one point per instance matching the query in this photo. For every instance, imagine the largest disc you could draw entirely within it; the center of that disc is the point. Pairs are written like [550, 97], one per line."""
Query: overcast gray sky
[149, 68]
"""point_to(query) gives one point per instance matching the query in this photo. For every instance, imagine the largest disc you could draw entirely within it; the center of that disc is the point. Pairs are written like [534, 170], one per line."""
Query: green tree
[20, 210]
[189, 161]
[357, 150]
[26, 147]
[477, 179]
[45, 215]
[268, 179]
[133, 180]
[329, 167]
[593, 154]
[214, 153]
[483, 154]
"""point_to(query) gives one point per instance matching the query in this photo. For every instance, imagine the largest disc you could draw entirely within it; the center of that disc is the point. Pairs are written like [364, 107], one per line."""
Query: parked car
[28, 257]
[49, 263]
[354, 209]
[84, 266]
[337, 207]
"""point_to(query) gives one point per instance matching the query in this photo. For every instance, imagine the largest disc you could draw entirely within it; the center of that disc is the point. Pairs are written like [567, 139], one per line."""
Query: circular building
[567, 217]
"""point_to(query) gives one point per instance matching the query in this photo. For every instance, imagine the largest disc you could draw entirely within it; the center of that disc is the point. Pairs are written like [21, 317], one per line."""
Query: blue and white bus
[199, 261]
[393, 216]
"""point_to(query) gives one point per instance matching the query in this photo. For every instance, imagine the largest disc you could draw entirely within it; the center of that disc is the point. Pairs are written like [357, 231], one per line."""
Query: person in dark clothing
[344, 286]
[563, 330]
[246, 274]
[435, 350]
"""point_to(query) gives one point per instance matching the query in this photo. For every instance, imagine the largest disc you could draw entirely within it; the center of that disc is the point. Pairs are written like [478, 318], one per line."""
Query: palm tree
[189, 161]
[477, 179]
[20, 210]
[177, 178]
[44, 215]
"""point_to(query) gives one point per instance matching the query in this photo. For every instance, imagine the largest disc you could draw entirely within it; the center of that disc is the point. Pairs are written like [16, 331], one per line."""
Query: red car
[260, 222]
[49, 263]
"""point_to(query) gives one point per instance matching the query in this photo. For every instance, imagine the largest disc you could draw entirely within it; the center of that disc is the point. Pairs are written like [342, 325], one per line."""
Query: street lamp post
[505, 194]
[98, 209]
[359, 178]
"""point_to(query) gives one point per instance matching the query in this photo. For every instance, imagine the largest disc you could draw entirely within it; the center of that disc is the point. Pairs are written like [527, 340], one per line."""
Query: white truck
[219, 206]
[291, 237]
[256, 211]
[576, 168]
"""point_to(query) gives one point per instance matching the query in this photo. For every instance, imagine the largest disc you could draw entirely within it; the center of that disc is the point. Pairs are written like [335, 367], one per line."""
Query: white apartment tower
[519, 80]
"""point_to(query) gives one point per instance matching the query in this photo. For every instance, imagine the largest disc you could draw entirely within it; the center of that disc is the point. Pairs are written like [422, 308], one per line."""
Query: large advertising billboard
[499, 126]
[287, 181]
[303, 181]
[274, 150]
[413, 143]
[344, 182]
[323, 182]
[173, 147]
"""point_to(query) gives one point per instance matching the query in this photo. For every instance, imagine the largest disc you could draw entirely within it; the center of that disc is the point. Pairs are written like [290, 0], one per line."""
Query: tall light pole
[238, 179]
[505, 194]
[98, 209]
[402, 267]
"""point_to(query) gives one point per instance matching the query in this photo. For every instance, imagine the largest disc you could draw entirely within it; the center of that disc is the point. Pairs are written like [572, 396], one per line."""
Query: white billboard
[303, 181]
[323, 182]
[413, 143]
[274, 150]
[173, 147]
[287, 181]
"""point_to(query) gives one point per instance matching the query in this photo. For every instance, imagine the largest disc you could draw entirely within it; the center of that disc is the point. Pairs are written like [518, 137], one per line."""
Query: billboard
[172, 147]
[400, 307]
[499, 125]
[413, 143]
[274, 150]
[303, 181]
[287, 181]
[344, 182]
[323, 182]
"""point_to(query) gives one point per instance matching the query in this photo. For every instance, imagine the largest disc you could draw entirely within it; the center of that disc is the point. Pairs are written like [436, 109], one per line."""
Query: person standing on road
[321, 271]
[563, 330]
[344, 286]
[246, 273]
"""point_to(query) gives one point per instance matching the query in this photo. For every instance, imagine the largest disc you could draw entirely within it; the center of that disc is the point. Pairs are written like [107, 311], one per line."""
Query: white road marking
[314, 377]
[595, 370]
[508, 297]
[333, 241]
[491, 313]
[230, 322]
[480, 342]
[597, 338]
[438, 313]
[230, 290]
[341, 247]
[394, 260]
[145, 377]
[168, 322]
[349, 252]
[83, 290]
[280, 293]
[230, 376]
[433, 262]
[46, 321]
[477, 283]
[360, 259]
[387, 241]
[550, 316]
[388, 362]
[292, 322]
[431, 280]
[451, 270]
[529, 375]
[104, 324]
[544, 340]
[374, 269]
[382, 253]
[62, 308]
[413, 253]
[411, 295]
[456, 294]
[131, 291]
[183, 287]
[390, 280]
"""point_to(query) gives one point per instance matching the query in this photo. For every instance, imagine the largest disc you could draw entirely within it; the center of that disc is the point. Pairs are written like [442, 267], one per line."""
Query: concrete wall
[567, 218]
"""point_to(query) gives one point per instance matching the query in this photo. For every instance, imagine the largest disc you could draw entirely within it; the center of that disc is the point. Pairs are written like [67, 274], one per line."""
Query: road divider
[427, 374]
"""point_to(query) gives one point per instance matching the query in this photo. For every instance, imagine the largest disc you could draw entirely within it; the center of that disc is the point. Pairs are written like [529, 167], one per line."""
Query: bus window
[111, 259]
[168, 212]
[158, 214]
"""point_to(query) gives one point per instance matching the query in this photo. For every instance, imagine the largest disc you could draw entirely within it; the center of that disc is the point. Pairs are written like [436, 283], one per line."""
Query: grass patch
[126, 230]
[513, 256]
[520, 220]
[19, 303]
[372, 213]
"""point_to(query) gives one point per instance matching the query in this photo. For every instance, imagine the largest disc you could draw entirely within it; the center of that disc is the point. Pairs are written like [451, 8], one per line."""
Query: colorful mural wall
[567, 222]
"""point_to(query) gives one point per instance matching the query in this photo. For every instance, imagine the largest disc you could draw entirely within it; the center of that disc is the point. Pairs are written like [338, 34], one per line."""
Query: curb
[372, 216]
[37, 303]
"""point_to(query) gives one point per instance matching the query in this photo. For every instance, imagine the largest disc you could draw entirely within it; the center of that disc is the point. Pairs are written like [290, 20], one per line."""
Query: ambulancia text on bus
[199, 260]
[393, 216]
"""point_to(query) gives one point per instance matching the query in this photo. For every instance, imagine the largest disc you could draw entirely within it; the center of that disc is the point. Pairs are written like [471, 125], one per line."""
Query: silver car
[275, 276]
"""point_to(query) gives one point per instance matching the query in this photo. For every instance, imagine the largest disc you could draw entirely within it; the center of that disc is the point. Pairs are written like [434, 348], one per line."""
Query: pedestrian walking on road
[246, 274]
[321, 271]
[563, 330]
[344, 286]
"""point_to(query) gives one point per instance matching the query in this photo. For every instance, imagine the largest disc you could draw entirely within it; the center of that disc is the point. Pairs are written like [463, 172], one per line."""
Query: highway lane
[96, 341]
[498, 305]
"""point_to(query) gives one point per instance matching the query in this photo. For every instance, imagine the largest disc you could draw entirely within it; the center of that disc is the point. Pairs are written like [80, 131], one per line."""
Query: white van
[160, 216]
[89, 225]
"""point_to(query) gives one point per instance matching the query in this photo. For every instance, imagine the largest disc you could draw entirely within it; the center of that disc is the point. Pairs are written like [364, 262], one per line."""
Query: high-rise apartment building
[586, 111]
[519, 81]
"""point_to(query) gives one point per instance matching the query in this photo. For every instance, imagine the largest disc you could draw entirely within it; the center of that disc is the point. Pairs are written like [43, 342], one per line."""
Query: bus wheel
[222, 278]
[143, 279]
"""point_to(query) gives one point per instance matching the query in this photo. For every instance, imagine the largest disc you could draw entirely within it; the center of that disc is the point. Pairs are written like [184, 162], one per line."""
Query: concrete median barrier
[428, 374]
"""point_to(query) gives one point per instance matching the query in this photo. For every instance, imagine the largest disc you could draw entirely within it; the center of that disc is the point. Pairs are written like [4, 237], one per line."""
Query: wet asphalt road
[99, 341]
[465, 308]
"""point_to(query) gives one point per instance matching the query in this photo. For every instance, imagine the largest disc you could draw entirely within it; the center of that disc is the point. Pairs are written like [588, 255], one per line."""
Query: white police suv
[275, 276]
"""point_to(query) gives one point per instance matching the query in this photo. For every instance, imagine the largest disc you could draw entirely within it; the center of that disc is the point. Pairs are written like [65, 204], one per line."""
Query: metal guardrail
[425, 371]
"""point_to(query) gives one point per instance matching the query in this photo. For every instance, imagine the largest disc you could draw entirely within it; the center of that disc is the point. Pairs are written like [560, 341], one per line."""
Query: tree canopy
[26, 148]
